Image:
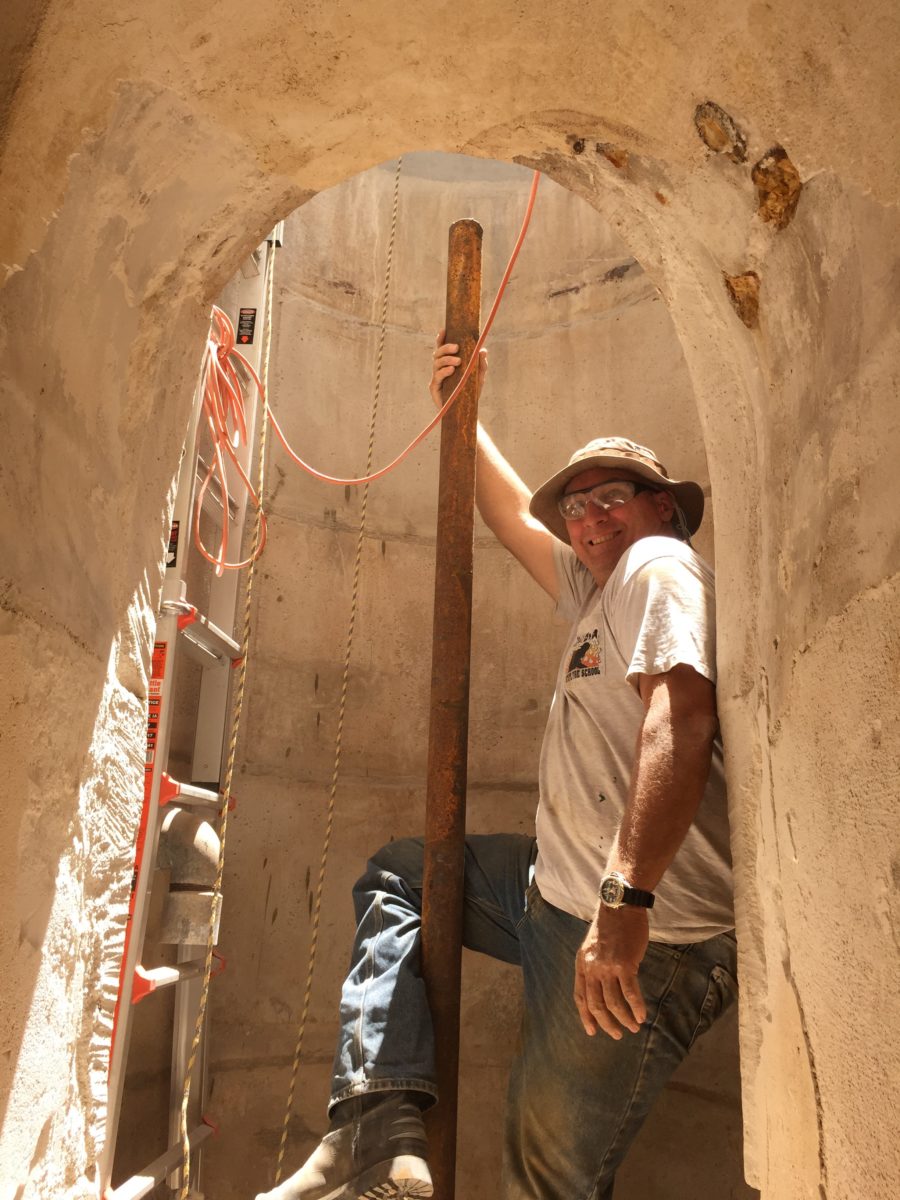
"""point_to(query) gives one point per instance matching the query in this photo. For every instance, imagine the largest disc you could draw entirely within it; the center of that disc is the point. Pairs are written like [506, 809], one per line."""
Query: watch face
[611, 891]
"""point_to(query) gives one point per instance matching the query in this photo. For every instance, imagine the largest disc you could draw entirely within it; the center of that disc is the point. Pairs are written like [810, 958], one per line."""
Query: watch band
[642, 899]
[615, 891]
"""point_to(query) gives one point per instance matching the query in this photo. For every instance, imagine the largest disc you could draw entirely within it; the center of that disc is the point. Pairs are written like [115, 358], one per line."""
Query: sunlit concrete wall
[143, 156]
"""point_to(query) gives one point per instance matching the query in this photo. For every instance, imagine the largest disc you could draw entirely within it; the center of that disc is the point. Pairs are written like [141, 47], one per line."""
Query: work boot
[376, 1156]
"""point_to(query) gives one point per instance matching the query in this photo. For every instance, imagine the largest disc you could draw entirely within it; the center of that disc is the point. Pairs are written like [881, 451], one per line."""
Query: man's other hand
[446, 360]
[607, 993]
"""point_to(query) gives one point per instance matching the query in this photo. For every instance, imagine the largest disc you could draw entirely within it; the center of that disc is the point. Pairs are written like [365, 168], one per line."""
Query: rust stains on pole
[445, 817]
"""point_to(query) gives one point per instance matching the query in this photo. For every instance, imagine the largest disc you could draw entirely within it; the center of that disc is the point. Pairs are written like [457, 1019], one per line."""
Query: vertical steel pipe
[445, 817]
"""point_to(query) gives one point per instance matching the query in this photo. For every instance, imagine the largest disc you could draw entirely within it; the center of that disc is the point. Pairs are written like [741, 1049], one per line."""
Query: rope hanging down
[257, 542]
[223, 409]
[342, 706]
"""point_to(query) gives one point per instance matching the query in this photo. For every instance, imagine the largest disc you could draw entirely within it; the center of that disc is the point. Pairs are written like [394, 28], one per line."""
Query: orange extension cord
[223, 409]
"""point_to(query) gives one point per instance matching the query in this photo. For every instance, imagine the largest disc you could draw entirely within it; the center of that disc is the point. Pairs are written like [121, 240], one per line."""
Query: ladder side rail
[147, 839]
[213, 708]
[145, 862]
[182, 510]
[212, 712]
[187, 1002]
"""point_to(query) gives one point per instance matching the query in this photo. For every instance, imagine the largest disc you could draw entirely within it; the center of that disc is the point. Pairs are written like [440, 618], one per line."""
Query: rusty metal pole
[445, 816]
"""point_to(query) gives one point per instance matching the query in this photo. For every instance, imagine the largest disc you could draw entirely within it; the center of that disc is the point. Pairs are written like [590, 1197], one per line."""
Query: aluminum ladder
[208, 638]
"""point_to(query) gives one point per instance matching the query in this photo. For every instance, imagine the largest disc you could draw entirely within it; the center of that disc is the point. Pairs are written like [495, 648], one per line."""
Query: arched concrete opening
[134, 191]
[583, 343]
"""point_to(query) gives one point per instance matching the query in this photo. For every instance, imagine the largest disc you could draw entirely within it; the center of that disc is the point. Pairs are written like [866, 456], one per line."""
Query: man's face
[601, 537]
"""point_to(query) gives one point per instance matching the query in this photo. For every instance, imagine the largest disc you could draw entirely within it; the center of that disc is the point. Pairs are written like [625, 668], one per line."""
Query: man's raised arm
[500, 494]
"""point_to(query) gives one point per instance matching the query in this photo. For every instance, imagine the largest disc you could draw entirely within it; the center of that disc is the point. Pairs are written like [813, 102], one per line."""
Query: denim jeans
[575, 1102]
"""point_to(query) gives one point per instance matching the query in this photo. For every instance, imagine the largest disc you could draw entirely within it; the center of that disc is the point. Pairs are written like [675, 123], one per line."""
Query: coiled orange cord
[223, 407]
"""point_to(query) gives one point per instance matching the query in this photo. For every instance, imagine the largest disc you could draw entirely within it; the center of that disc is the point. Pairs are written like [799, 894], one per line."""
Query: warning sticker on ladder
[154, 704]
[172, 552]
[246, 326]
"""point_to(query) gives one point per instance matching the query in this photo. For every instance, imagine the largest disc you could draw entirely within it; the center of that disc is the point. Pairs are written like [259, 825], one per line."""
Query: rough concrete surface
[144, 153]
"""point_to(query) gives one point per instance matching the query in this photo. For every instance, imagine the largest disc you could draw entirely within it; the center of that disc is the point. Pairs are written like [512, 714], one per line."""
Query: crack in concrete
[388, 783]
[875, 592]
[612, 275]
[227, 1065]
[331, 521]
[811, 1059]
[640, 295]
[48, 620]
[786, 955]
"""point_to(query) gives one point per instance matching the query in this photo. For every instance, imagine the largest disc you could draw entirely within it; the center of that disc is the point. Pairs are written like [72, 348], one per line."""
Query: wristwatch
[615, 890]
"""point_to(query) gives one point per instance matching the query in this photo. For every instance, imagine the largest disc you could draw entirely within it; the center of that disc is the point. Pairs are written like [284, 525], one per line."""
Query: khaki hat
[609, 453]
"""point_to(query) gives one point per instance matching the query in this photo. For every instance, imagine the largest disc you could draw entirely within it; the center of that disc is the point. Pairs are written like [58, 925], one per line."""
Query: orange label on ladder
[154, 706]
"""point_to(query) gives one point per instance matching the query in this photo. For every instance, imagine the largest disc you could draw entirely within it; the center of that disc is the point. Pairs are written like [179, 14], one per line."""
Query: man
[620, 913]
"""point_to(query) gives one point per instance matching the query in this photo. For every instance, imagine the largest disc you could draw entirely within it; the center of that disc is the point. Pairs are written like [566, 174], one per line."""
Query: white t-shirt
[656, 610]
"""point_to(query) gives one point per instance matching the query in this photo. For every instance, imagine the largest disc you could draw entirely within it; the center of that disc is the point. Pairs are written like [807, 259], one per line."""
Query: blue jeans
[575, 1103]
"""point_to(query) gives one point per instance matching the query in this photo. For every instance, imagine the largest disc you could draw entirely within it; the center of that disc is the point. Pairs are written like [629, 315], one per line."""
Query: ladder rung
[204, 640]
[188, 794]
[250, 265]
[209, 640]
[143, 1183]
[212, 497]
[147, 981]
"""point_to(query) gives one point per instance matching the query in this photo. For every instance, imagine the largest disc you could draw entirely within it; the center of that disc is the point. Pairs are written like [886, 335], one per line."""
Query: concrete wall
[142, 157]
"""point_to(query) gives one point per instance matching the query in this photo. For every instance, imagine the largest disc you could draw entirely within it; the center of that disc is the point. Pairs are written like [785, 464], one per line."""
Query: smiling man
[620, 911]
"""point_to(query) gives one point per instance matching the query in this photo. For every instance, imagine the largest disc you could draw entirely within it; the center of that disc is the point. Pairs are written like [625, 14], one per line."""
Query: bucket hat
[610, 453]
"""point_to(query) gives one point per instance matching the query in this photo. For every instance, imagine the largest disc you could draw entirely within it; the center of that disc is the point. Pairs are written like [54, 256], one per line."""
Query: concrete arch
[143, 157]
